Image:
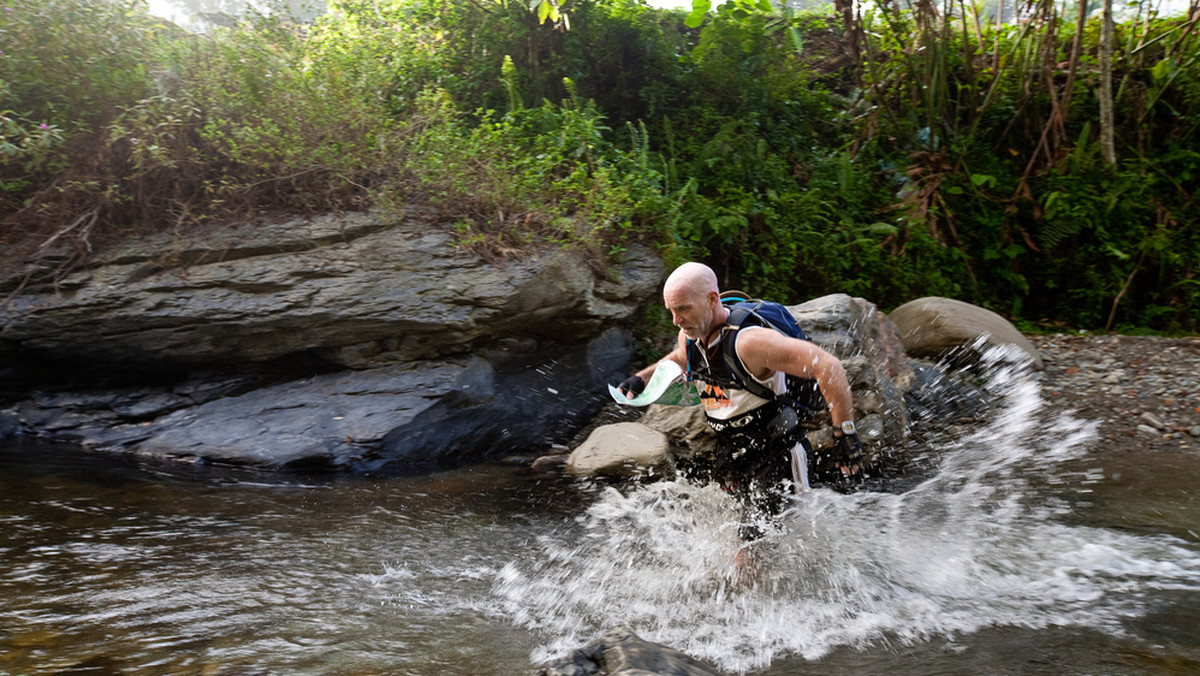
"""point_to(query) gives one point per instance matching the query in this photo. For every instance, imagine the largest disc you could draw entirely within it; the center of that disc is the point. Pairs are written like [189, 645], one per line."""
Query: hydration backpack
[802, 393]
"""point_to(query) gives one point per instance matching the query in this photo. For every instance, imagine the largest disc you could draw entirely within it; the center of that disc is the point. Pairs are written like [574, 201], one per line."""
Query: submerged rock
[620, 652]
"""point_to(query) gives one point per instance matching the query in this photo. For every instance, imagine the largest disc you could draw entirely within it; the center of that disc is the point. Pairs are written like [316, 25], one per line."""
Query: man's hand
[632, 386]
[848, 452]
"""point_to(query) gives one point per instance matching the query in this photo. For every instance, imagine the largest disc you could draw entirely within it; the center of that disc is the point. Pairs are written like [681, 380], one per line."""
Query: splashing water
[976, 544]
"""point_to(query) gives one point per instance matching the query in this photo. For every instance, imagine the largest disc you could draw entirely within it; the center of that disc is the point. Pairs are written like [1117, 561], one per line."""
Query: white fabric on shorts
[800, 467]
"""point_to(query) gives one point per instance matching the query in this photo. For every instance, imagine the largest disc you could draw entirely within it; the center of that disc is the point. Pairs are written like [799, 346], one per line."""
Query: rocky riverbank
[1143, 391]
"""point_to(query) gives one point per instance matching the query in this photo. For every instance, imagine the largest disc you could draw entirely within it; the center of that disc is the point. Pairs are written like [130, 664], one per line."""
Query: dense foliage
[907, 151]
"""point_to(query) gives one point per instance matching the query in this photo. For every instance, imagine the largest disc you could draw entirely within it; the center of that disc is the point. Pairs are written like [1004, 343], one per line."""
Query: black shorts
[753, 459]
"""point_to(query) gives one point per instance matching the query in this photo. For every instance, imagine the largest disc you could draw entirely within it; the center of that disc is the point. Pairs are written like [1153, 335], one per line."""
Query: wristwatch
[848, 427]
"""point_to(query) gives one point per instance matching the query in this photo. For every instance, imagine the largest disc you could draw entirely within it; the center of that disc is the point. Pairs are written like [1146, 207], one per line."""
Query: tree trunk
[1073, 64]
[1107, 145]
[845, 8]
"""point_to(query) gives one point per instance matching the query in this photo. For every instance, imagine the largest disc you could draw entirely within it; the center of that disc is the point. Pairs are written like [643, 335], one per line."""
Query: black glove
[848, 452]
[632, 386]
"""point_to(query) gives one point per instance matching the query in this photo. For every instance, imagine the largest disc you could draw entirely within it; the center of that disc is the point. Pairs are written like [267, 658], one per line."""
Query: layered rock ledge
[345, 340]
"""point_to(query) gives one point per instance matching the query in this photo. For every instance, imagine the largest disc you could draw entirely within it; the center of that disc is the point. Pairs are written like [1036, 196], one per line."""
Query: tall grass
[117, 124]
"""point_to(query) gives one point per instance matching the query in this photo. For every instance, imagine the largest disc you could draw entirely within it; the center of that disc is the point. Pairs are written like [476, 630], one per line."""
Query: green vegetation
[912, 150]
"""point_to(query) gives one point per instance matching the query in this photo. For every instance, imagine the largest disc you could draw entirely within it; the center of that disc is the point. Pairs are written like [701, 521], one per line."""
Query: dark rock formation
[349, 341]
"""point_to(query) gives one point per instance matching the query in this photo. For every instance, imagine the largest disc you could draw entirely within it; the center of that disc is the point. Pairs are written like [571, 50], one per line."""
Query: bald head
[693, 299]
[694, 279]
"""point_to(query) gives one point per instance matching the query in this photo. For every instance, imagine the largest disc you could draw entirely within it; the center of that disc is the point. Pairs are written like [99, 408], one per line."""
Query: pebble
[1153, 421]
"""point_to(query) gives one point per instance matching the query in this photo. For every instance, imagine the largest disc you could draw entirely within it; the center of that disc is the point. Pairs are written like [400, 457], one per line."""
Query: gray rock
[943, 327]
[869, 347]
[405, 417]
[554, 462]
[356, 290]
[622, 653]
[621, 450]
[1153, 421]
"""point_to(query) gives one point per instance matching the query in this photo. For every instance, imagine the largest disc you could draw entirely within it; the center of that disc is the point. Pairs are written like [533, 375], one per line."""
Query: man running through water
[761, 447]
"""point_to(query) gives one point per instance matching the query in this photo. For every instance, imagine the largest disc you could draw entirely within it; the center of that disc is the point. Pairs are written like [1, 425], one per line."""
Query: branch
[1113, 313]
[90, 216]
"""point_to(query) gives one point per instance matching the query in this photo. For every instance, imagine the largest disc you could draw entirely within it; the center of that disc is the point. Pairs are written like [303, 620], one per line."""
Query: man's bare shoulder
[761, 337]
[763, 350]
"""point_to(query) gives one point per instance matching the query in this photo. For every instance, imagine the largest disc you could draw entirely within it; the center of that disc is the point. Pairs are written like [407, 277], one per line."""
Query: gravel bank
[1144, 391]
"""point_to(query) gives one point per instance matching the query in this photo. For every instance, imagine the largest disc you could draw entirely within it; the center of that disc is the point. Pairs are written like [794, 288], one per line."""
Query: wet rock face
[341, 340]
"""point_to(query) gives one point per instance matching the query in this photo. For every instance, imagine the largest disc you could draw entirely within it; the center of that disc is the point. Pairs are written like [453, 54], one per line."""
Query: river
[1024, 547]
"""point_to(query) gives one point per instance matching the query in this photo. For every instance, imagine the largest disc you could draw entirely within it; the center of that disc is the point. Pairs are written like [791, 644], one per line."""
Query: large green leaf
[797, 41]
[699, 11]
[1161, 70]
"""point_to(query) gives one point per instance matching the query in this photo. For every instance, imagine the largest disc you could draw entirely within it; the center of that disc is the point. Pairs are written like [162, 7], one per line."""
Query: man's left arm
[765, 351]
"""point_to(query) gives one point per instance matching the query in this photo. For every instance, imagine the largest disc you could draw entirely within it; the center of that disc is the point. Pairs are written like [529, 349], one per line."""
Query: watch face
[848, 427]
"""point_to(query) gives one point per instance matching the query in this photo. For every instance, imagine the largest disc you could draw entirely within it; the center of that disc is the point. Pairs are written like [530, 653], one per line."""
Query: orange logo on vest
[713, 397]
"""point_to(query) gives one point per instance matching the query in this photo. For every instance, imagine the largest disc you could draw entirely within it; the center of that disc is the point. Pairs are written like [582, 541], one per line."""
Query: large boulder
[944, 328]
[351, 340]
[869, 347]
[355, 290]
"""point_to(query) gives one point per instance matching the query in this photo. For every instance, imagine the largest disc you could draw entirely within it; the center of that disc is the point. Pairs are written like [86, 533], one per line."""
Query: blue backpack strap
[731, 296]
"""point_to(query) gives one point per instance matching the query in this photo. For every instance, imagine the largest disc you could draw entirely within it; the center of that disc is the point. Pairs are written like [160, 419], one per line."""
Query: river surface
[1024, 547]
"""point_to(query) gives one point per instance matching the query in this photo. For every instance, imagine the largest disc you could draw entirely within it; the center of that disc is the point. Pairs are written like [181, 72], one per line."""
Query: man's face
[692, 313]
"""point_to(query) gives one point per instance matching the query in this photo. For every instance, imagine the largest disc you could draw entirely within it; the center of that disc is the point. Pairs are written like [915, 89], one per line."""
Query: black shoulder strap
[729, 352]
[739, 313]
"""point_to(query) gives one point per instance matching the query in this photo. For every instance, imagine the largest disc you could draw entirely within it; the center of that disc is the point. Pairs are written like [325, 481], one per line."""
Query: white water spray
[975, 545]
